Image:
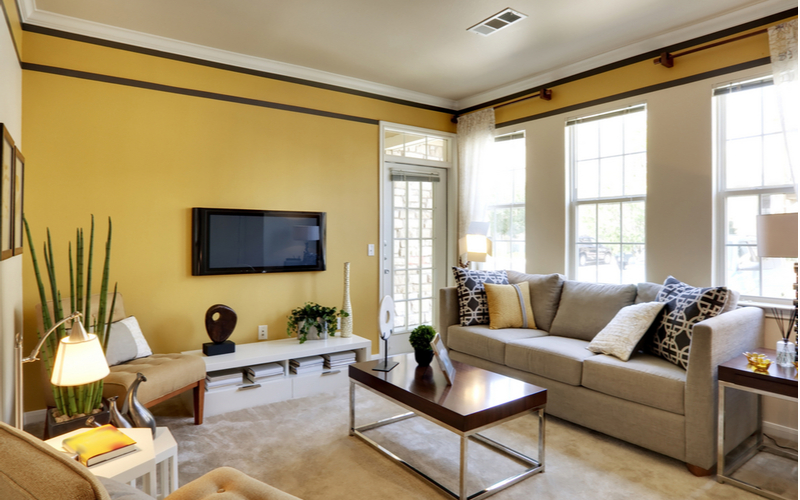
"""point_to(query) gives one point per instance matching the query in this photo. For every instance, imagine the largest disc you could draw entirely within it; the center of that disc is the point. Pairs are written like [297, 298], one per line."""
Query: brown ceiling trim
[10, 31]
[644, 90]
[636, 59]
[226, 67]
[191, 92]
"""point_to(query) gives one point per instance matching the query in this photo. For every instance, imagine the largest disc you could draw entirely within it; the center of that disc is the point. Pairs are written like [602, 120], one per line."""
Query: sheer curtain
[475, 143]
[783, 53]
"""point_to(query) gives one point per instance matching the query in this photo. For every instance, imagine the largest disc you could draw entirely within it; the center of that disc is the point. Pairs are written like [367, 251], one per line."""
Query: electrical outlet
[262, 332]
[371, 250]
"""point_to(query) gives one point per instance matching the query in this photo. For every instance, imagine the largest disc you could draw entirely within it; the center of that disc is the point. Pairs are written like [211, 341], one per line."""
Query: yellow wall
[145, 158]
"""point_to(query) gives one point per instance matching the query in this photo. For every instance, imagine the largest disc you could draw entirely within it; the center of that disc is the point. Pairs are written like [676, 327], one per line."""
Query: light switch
[371, 250]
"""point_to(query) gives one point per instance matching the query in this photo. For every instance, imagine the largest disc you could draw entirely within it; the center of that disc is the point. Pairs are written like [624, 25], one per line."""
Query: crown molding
[31, 15]
[735, 18]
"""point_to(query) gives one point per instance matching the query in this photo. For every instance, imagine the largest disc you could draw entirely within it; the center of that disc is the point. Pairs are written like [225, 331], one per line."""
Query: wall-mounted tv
[233, 241]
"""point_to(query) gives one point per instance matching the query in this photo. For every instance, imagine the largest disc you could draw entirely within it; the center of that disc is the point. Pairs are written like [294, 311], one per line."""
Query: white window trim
[721, 197]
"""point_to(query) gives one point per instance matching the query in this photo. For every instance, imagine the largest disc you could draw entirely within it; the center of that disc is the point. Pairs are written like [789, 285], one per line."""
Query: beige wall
[10, 269]
[680, 196]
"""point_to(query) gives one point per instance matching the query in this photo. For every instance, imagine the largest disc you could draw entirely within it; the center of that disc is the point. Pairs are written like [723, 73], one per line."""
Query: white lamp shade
[777, 235]
[80, 359]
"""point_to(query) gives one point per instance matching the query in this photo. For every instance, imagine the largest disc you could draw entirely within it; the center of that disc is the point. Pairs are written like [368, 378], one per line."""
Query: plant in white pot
[312, 320]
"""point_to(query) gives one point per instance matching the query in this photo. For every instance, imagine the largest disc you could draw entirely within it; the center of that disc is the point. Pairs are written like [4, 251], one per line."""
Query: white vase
[314, 334]
[347, 322]
[785, 350]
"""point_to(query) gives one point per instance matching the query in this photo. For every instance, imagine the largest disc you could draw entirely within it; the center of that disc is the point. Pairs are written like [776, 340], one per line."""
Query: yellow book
[99, 444]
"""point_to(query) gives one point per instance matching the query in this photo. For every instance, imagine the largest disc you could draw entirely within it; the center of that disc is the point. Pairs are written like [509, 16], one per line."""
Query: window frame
[723, 193]
[572, 194]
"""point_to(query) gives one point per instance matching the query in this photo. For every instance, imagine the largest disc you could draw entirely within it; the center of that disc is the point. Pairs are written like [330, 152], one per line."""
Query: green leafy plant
[302, 319]
[84, 398]
[421, 337]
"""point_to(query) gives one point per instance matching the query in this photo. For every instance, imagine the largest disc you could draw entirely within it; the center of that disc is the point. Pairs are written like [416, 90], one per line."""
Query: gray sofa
[647, 401]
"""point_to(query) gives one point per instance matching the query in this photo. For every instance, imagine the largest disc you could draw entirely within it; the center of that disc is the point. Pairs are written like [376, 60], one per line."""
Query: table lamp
[79, 360]
[479, 245]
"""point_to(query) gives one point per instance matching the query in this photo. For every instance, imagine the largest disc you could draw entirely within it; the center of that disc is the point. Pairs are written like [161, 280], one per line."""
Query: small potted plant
[420, 339]
[311, 320]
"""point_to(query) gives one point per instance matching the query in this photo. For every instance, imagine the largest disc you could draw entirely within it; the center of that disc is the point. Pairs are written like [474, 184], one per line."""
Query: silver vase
[117, 419]
[140, 416]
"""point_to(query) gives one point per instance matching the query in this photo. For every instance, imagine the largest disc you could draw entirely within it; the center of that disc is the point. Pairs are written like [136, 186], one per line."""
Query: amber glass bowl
[759, 361]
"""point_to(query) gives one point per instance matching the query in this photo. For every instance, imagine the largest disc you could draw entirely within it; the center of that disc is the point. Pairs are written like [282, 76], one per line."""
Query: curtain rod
[544, 94]
[667, 60]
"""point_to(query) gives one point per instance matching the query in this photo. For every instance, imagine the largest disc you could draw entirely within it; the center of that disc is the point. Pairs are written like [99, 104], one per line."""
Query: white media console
[279, 388]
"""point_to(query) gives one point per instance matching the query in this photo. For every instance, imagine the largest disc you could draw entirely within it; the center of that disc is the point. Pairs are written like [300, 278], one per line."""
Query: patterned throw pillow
[472, 306]
[685, 307]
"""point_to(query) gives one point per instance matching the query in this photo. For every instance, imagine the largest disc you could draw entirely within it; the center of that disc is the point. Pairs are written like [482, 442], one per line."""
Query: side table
[779, 383]
[126, 468]
[166, 457]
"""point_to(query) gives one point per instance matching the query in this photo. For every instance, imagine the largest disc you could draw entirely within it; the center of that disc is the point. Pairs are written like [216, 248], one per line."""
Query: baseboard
[780, 431]
[38, 416]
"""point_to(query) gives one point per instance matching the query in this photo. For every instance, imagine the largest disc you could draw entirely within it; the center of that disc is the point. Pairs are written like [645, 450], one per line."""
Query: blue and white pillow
[473, 308]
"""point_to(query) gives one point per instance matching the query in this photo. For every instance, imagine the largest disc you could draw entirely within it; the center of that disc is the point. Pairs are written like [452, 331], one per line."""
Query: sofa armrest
[226, 483]
[448, 310]
[715, 341]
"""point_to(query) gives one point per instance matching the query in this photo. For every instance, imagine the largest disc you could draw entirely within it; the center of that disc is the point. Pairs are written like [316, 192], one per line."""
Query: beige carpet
[302, 447]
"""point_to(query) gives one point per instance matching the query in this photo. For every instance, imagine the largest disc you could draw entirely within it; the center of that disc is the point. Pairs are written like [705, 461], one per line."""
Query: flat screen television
[234, 241]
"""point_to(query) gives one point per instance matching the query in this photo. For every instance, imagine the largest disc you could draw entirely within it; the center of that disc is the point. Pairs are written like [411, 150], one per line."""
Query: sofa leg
[199, 395]
[701, 472]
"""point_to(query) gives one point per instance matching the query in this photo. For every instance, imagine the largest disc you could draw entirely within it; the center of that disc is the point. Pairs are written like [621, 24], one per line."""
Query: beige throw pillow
[620, 336]
[509, 306]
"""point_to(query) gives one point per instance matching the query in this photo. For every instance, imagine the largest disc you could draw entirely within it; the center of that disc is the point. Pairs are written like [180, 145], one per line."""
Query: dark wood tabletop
[777, 379]
[477, 397]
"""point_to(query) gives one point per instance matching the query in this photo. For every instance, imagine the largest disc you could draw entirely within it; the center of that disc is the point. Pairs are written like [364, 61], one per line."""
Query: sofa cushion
[643, 379]
[586, 308]
[647, 292]
[482, 342]
[166, 373]
[556, 358]
[509, 306]
[545, 291]
[472, 307]
[685, 307]
[620, 337]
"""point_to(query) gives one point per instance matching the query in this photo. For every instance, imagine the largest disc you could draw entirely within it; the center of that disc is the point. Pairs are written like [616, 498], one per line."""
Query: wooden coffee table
[477, 400]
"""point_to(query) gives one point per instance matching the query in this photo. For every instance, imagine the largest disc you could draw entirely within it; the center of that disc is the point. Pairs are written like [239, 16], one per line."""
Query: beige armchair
[32, 469]
[167, 374]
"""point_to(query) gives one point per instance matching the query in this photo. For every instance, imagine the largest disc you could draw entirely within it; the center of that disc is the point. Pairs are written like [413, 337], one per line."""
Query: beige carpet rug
[302, 447]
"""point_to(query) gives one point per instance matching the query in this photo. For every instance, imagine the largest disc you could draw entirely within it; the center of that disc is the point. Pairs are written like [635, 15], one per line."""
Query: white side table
[166, 456]
[129, 467]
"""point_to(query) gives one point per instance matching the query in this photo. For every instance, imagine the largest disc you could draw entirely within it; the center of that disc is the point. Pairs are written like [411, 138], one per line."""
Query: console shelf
[278, 388]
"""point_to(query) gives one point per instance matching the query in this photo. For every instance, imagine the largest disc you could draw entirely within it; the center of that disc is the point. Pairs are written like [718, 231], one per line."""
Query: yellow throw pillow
[509, 306]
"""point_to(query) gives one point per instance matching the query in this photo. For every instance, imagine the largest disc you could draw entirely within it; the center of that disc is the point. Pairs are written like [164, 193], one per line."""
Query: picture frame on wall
[6, 194]
[19, 192]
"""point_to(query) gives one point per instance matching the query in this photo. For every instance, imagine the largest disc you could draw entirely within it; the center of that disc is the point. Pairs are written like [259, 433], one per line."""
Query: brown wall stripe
[644, 90]
[191, 92]
[227, 67]
[635, 59]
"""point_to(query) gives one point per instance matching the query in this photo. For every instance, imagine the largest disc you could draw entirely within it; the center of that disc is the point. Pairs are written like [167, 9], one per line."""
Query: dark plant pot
[423, 358]
[54, 428]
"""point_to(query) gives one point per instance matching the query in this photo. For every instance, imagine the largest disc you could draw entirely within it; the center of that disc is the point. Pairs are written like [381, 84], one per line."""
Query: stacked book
[223, 378]
[337, 359]
[306, 365]
[259, 373]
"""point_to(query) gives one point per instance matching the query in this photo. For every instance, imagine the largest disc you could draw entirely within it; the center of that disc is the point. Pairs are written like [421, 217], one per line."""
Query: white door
[415, 246]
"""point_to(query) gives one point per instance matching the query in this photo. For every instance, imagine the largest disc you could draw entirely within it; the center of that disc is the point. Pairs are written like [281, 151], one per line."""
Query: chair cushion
[545, 291]
[482, 342]
[165, 373]
[472, 306]
[126, 342]
[509, 306]
[586, 308]
[643, 379]
[32, 469]
[557, 358]
[226, 483]
[685, 307]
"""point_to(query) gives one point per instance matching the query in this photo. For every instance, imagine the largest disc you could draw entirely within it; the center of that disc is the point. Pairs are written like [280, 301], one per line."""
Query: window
[506, 203]
[608, 171]
[414, 145]
[754, 178]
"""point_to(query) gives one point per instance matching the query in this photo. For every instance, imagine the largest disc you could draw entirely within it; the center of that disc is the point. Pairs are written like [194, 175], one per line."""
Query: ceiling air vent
[497, 22]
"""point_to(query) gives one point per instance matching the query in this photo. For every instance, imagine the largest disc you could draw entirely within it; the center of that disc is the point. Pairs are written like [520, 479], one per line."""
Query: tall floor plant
[85, 398]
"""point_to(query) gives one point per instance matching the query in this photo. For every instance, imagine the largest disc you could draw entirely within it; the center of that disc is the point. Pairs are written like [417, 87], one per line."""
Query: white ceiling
[411, 49]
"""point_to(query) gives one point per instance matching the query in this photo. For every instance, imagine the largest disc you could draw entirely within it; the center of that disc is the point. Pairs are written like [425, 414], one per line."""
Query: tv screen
[233, 241]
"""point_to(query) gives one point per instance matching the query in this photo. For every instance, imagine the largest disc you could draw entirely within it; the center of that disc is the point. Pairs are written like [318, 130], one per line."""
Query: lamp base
[212, 349]
[385, 366]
